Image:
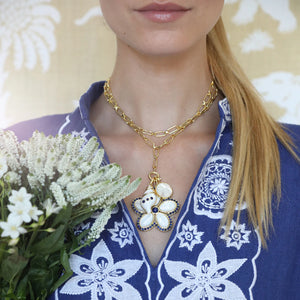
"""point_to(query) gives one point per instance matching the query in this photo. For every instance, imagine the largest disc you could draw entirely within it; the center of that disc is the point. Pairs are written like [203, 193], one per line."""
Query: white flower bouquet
[48, 187]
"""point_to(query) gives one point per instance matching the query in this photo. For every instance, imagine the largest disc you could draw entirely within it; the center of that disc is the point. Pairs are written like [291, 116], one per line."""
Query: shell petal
[136, 205]
[168, 206]
[162, 220]
[149, 190]
[164, 190]
[146, 220]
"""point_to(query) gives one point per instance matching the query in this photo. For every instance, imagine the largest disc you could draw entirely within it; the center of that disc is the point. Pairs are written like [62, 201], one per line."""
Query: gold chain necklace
[156, 207]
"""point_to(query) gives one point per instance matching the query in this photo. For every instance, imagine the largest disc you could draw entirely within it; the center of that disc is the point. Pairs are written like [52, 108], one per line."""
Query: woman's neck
[158, 92]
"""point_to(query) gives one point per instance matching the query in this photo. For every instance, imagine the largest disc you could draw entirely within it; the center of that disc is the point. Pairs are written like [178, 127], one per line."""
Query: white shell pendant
[155, 208]
[164, 190]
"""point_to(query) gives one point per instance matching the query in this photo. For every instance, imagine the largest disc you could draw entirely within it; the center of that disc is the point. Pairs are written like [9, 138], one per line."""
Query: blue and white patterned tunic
[197, 263]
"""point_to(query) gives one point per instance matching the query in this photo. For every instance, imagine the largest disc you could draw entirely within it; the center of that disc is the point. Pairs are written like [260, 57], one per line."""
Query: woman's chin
[165, 48]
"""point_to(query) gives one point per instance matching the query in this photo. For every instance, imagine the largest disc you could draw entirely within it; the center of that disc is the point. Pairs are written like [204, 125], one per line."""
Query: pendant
[156, 207]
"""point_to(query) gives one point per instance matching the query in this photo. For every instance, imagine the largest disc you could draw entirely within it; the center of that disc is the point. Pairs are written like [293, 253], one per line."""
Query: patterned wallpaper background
[52, 50]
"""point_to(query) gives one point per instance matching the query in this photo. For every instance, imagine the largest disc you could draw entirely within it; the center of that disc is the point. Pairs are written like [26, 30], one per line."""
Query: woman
[211, 182]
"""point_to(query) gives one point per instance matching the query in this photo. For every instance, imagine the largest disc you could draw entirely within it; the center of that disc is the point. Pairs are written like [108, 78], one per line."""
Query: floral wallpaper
[51, 51]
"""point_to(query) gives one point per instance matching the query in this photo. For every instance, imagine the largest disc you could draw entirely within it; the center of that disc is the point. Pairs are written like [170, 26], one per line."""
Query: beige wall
[51, 51]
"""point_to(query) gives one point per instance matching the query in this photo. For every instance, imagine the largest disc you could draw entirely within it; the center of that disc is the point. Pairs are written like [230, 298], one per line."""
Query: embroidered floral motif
[213, 185]
[122, 234]
[207, 280]
[219, 186]
[83, 133]
[189, 236]
[218, 143]
[237, 235]
[82, 227]
[224, 104]
[101, 277]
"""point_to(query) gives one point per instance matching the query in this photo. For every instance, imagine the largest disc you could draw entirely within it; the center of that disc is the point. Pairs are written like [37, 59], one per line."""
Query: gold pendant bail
[154, 178]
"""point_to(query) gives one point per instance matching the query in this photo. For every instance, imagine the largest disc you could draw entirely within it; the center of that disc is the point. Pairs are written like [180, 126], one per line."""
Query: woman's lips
[163, 13]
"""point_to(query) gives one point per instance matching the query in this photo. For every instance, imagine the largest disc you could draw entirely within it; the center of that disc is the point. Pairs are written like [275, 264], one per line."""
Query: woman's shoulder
[49, 125]
[293, 131]
[61, 123]
[290, 168]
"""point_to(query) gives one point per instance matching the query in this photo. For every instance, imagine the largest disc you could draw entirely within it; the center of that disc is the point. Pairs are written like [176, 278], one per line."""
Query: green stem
[3, 215]
[2, 209]
[10, 291]
[79, 247]
[32, 238]
[2, 250]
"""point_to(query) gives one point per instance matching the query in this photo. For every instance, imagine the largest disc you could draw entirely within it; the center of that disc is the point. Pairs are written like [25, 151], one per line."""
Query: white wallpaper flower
[91, 13]
[28, 27]
[258, 40]
[279, 10]
[27, 33]
[279, 88]
[283, 89]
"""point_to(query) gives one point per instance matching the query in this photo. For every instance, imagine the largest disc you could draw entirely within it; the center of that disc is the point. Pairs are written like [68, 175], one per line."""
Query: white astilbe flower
[35, 153]
[64, 163]
[9, 149]
[100, 223]
[12, 227]
[89, 149]
[12, 178]
[111, 172]
[58, 194]
[71, 169]
[97, 159]
[3, 165]
[50, 164]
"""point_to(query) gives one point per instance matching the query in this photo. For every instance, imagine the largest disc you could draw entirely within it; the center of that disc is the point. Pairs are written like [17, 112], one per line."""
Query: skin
[160, 77]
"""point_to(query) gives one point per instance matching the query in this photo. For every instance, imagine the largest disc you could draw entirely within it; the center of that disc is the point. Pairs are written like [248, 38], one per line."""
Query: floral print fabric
[197, 263]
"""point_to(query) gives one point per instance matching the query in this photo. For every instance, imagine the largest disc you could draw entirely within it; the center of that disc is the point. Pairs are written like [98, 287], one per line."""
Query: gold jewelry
[156, 207]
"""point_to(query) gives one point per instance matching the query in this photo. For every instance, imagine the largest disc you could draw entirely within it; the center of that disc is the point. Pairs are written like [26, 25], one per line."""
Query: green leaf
[11, 296]
[63, 216]
[41, 276]
[22, 288]
[12, 266]
[51, 243]
[64, 260]
[81, 218]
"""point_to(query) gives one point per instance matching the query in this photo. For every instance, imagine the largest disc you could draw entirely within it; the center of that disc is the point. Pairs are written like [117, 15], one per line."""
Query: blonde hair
[256, 161]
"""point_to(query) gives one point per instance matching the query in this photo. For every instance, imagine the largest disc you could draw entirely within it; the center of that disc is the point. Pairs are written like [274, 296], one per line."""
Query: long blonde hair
[256, 162]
